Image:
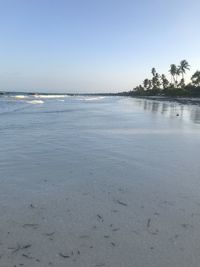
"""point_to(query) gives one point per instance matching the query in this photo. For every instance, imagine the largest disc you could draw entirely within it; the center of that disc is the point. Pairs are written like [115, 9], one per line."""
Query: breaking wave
[20, 96]
[90, 98]
[50, 96]
[35, 102]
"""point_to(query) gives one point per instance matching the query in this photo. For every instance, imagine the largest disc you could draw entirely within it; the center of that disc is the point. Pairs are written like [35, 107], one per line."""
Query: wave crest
[50, 96]
[34, 102]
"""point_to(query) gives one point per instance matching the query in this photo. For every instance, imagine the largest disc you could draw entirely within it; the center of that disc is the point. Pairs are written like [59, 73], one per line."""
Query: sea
[45, 133]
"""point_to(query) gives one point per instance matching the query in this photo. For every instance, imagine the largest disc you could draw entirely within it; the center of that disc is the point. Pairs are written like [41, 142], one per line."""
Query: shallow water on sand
[99, 181]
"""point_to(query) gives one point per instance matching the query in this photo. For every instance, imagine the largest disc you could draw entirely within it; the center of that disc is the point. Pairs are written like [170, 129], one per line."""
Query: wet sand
[181, 100]
[100, 191]
[101, 224]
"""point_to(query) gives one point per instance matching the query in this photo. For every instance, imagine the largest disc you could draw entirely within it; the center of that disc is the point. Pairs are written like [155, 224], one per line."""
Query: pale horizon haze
[94, 46]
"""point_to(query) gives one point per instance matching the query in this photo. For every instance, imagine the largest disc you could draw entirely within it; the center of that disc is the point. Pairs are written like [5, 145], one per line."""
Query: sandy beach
[100, 182]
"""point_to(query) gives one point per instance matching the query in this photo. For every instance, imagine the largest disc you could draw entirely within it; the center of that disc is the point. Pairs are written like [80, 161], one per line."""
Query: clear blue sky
[94, 45]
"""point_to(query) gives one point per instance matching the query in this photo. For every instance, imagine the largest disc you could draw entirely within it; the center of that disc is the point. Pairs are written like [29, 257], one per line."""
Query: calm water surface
[48, 132]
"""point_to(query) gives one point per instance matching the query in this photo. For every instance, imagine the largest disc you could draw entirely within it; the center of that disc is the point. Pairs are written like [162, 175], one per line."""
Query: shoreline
[180, 100]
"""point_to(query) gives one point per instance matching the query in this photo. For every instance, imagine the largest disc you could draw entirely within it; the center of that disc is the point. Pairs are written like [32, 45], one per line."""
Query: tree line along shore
[159, 85]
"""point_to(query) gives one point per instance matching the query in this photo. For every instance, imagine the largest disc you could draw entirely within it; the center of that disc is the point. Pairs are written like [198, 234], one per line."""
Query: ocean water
[75, 157]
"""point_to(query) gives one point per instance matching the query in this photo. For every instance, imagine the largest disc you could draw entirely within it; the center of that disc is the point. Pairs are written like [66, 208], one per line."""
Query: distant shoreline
[55, 93]
[193, 100]
[181, 100]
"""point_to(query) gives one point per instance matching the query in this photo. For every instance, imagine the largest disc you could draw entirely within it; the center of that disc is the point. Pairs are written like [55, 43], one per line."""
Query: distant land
[59, 93]
[159, 85]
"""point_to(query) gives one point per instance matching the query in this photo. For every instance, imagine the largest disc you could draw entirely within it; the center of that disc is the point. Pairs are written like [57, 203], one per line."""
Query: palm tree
[196, 78]
[178, 72]
[184, 65]
[150, 85]
[153, 71]
[165, 82]
[182, 83]
[173, 72]
[154, 82]
[158, 83]
[146, 83]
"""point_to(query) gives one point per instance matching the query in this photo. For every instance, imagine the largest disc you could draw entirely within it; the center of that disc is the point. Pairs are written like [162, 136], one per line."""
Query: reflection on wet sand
[171, 109]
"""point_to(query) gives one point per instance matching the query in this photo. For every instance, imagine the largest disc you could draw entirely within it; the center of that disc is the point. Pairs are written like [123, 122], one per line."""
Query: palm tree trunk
[174, 80]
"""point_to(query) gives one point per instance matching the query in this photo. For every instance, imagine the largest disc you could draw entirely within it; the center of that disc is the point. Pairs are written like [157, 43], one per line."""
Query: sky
[94, 45]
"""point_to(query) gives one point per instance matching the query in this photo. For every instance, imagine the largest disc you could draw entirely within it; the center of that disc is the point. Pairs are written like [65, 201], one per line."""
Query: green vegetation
[159, 85]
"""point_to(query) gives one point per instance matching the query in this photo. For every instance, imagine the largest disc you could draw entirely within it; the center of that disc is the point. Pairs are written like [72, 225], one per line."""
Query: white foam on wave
[20, 96]
[35, 102]
[91, 98]
[94, 98]
[50, 96]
